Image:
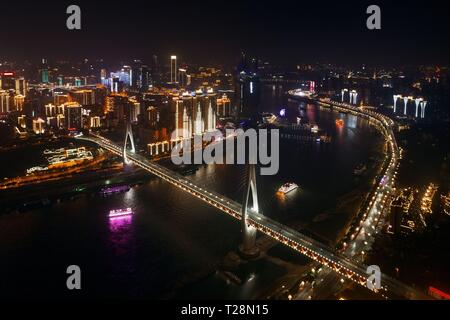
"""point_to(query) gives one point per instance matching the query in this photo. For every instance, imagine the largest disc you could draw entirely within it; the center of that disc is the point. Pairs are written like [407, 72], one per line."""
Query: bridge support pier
[248, 248]
[128, 134]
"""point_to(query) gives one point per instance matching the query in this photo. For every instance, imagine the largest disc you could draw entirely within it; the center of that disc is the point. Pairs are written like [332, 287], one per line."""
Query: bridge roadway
[290, 237]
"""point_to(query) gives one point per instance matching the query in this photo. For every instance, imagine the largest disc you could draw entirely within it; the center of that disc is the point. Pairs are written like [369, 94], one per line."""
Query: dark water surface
[173, 238]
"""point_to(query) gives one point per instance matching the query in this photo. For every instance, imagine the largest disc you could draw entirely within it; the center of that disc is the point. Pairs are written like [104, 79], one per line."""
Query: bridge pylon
[248, 247]
[128, 135]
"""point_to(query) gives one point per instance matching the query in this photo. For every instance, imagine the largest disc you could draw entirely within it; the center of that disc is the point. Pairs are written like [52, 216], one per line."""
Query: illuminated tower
[417, 106]
[183, 77]
[173, 69]
[395, 102]
[422, 109]
[38, 126]
[405, 99]
[248, 247]
[21, 86]
[342, 94]
[4, 101]
[128, 135]
[73, 116]
[44, 76]
[355, 96]
[247, 87]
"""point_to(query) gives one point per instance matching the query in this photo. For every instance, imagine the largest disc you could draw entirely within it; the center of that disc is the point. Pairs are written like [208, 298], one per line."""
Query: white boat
[287, 187]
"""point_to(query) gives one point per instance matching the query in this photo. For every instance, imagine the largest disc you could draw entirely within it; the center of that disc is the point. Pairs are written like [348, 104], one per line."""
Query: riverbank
[45, 194]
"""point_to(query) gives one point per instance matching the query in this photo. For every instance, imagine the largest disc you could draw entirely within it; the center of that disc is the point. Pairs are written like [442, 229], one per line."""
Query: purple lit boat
[114, 189]
[120, 212]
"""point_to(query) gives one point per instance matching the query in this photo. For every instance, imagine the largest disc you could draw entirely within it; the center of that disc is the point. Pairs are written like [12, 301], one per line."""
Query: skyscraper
[173, 69]
[4, 101]
[38, 126]
[21, 86]
[223, 106]
[73, 116]
[247, 87]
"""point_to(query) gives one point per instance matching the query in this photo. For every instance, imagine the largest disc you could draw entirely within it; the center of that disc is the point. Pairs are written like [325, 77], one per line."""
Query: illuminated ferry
[120, 212]
[114, 189]
[340, 123]
[287, 187]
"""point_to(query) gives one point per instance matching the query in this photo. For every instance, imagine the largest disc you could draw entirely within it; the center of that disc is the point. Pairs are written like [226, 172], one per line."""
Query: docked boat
[287, 187]
[120, 212]
[268, 118]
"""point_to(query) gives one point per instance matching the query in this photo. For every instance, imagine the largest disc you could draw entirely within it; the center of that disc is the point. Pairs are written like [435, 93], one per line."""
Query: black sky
[413, 32]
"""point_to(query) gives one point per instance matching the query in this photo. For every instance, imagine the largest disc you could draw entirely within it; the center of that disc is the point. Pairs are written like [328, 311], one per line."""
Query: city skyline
[228, 151]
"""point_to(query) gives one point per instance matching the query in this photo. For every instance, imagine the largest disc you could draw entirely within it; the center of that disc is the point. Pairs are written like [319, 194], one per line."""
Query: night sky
[216, 31]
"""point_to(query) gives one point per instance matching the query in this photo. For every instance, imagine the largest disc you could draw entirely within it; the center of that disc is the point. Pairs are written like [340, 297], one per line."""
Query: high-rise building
[21, 86]
[224, 106]
[83, 97]
[73, 116]
[38, 126]
[173, 69]
[145, 78]
[19, 102]
[247, 87]
[183, 77]
[116, 85]
[7, 81]
[4, 101]
[59, 99]
[152, 116]
[139, 76]
[193, 113]
[51, 110]
[95, 122]
[44, 75]
[134, 109]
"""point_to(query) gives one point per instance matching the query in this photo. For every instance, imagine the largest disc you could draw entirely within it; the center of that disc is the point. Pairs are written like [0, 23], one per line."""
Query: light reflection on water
[172, 235]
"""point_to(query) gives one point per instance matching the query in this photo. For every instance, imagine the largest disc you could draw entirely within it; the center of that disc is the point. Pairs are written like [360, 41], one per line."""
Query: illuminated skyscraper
[83, 97]
[183, 77]
[44, 75]
[173, 69]
[152, 116]
[7, 81]
[95, 122]
[139, 76]
[223, 106]
[38, 126]
[134, 109]
[50, 110]
[19, 101]
[193, 113]
[21, 86]
[59, 99]
[73, 116]
[4, 101]
[248, 87]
